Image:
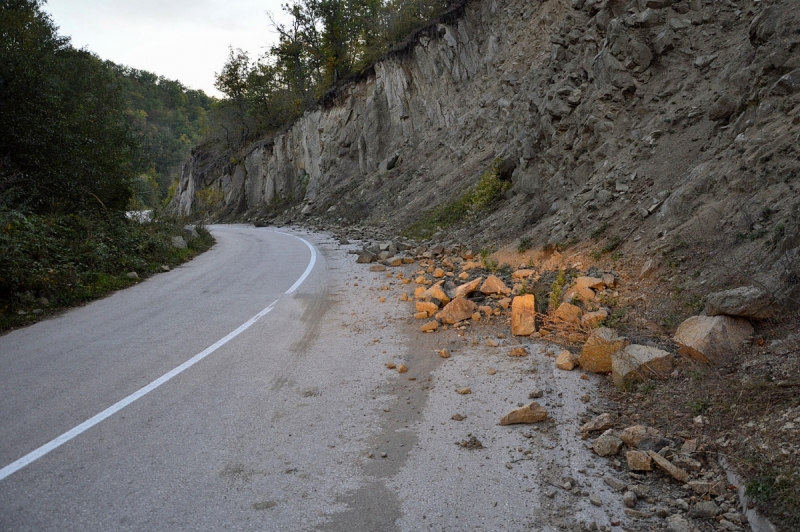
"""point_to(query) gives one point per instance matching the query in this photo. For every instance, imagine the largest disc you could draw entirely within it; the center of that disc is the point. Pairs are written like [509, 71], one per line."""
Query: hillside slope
[668, 131]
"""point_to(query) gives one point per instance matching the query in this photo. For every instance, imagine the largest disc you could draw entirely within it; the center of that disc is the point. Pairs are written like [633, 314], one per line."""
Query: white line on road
[13, 467]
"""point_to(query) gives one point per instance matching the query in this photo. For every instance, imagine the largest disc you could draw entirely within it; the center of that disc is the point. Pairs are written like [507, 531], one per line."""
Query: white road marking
[13, 467]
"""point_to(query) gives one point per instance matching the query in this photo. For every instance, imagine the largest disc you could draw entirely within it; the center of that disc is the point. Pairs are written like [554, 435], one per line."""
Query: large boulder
[712, 339]
[523, 314]
[493, 285]
[530, 413]
[568, 313]
[745, 302]
[596, 352]
[467, 288]
[638, 363]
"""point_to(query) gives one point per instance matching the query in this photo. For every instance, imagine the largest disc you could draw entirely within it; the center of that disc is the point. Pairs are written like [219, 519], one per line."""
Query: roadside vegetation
[80, 137]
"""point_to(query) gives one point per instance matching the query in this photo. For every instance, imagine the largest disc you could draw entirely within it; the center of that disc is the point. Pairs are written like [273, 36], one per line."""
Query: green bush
[69, 259]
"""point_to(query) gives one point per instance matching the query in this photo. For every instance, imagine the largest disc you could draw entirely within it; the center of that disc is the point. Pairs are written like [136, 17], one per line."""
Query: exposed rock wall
[671, 124]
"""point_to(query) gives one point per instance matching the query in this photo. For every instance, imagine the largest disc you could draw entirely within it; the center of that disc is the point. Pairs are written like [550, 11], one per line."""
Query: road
[285, 424]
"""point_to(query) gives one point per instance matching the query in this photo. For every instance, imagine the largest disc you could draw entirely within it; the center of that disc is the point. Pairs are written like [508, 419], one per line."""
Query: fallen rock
[438, 273]
[629, 499]
[444, 353]
[467, 288]
[402, 368]
[427, 306]
[458, 417]
[179, 242]
[493, 285]
[391, 365]
[457, 310]
[704, 510]
[366, 257]
[745, 302]
[712, 339]
[640, 362]
[464, 391]
[568, 313]
[703, 487]
[566, 361]
[635, 435]
[523, 314]
[518, 351]
[377, 268]
[676, 523]
[436, 293]
[592, 320]
[597, 351]
[675, 472]
[522, 274]
[531, 413]
[430, 326]
[638, 461]
[132, 275]
[422, 315]
[601, 422]
[607, 444]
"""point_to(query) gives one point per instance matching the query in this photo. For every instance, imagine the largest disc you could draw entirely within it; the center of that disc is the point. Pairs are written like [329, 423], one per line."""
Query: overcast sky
[185, 40]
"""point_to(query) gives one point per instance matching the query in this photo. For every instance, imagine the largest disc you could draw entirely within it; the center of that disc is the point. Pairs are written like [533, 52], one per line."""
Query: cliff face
[667, 129]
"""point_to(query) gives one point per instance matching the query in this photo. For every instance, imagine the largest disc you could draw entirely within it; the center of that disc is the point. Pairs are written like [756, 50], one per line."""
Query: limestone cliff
[666, 129]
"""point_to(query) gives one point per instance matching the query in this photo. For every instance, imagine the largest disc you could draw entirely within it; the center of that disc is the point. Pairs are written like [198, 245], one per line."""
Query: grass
[557, 290]
[524, 245]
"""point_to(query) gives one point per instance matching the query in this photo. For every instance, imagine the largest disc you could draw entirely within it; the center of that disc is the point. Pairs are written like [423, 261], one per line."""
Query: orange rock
[505, 303]
[467, 288]
[463, 276]
[486, 309]
[457, 310]
[566, 361]
[401, 368]
[597, 351]
[427, 306]
[421, 315]
[476, 316]
[523, 314]
[518, 351]
[530, 413]
[430, 326]
[436, 292]
[471, 265]
[493, 285]
[421, 280]
[591, 320]
[390, 365]
[382, 299]
[404, 296]
[438, 273]
[522, 274]
[568, 313]
[444, 353]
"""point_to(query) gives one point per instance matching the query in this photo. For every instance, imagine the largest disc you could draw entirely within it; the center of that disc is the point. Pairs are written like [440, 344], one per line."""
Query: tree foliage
[65, 143]
[324, 43]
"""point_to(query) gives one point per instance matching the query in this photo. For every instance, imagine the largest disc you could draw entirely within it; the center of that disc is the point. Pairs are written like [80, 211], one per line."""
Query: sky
[183, 40]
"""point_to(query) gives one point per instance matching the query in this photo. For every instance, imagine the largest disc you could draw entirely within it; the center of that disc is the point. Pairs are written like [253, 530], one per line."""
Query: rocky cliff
[665, 131]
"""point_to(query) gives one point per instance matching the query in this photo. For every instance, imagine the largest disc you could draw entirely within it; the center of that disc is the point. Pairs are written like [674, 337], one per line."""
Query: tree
[65, 140]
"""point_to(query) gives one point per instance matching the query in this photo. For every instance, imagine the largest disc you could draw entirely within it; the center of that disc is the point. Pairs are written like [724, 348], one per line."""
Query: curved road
[291, 423]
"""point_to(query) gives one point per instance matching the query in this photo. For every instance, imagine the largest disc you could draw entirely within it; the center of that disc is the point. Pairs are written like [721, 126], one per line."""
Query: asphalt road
[292, 423]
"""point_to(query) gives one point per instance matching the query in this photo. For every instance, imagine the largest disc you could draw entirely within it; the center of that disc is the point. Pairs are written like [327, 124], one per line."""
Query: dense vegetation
[168, 119]
[325, 43]
[79, 134]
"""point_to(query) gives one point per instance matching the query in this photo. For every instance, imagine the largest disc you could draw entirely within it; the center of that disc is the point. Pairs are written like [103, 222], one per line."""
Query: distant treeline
[325, 43]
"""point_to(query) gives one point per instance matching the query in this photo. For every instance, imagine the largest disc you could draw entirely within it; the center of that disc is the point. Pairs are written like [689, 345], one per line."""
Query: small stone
[638, 461]
[530, 413]
[535, 394]
[518, 351]
[421, 315]
[464, 391]
[382, 299]
[687, 462]
[704, 510]
[444, 353]
[491, 343]
[476, 316]
[377, 268]
[165, 268]
[566, 360]
[438, 273]
[676, 523]
[636, 513]
[492, 371]
[394, 261]
[706, 487]
[595, 499]
[602, 422]
[522, 274]
[391, 365]
[458, 417]
[675, 472]
[640, 362]
[402, 368]
[614, 483]
[383, 455]
[607, 444]
[592, 320]
[636, 434]
[427, 306]
[132, 275]
[629, 499]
